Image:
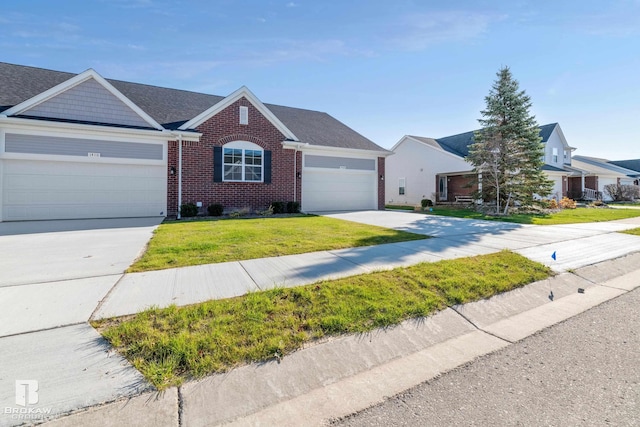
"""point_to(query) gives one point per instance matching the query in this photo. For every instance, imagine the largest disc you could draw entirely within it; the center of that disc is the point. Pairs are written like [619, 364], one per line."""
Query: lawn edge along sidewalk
[347, 374]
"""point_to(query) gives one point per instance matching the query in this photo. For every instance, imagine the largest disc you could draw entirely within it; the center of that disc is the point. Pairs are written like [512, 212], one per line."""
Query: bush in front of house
[293, 207]
[567, 203]
[215, 209]
[188, 210]
[598, 204]
[279, 207]
[426, 203]
[620, 192]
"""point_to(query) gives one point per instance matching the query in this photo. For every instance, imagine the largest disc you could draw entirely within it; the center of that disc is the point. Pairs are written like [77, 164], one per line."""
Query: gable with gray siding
[90, 102]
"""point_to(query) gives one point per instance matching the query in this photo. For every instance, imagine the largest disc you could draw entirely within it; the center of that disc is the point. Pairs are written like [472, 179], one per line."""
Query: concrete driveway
[48, 251]
[574, 245]
[55, 273]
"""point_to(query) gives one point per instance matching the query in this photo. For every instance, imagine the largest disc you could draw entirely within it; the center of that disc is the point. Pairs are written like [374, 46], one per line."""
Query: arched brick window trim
[241, 137]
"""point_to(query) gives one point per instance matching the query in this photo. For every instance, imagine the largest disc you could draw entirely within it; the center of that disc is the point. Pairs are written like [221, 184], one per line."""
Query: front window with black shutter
[242, 161]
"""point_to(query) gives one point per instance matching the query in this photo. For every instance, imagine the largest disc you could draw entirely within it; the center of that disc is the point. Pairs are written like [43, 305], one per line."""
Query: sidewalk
[340, 376]
[576, 245]
[93, 374]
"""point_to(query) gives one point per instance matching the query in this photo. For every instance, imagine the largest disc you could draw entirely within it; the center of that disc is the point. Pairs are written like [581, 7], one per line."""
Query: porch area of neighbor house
[456, 188]
[583, 187]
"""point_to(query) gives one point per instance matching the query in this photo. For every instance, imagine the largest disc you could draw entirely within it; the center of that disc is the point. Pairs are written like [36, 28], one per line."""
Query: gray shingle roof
[633, 165]
[606, 164]
[459, 144]
[552, 168]
[318, 128]
[19, 83]
[173, 107]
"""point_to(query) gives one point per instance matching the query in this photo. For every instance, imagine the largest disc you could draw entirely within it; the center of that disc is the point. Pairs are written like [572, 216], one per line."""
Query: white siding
[556, 192]
[419, 164]
[555, 141]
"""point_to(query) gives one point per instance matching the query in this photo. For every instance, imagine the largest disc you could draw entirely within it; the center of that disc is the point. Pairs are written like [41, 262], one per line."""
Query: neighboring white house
[411, 171]
[436, 169]
[603, 173]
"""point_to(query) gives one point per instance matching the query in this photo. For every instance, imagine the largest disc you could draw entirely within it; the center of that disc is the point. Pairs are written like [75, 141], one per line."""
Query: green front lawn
[565, 216]
[184, 243]
[173, 344]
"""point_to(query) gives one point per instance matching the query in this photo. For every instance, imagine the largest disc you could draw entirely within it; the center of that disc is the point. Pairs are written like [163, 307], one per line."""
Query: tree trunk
[497, 198]
[506, 206]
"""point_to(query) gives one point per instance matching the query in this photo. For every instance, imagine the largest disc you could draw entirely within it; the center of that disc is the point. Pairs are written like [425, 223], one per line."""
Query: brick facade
[457, 185]
[197, 164]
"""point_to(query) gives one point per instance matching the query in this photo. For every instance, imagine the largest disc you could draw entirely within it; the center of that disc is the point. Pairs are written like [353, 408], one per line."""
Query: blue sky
[385, 68]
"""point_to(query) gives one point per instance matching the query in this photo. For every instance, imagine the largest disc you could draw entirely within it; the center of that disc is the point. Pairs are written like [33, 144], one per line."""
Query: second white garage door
[38, 190]
[332, 183]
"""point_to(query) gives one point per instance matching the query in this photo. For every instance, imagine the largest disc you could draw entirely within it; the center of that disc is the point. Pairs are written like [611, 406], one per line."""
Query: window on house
[555, 155]
[244, 115]
[401, 185]
[242, 161]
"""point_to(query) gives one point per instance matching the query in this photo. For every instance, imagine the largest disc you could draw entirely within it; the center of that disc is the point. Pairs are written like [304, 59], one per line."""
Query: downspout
[179, 173]
[295, 174]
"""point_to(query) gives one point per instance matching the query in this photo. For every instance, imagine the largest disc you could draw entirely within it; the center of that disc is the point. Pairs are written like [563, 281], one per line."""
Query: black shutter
[217, 164]
[267, 167]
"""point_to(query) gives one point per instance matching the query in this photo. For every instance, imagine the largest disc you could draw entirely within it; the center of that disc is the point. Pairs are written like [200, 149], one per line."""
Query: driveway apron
[53, 275]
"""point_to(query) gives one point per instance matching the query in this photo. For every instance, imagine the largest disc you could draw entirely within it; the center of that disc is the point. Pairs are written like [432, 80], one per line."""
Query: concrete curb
[147, 410]
[340, 376]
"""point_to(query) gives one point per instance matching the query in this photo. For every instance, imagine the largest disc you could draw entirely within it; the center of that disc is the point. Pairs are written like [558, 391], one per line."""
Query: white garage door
[337, 183]
[36, 190]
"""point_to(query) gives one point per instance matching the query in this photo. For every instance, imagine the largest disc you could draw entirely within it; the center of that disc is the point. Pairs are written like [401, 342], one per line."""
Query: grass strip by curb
[633, 231]
[174, 344]
[186, 243]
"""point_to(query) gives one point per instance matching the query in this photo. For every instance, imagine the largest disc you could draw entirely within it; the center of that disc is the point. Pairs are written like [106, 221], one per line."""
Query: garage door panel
[35, 190]
[327, 190]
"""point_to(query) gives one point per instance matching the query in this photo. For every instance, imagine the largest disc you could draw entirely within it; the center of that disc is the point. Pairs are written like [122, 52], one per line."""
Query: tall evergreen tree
[507, 151]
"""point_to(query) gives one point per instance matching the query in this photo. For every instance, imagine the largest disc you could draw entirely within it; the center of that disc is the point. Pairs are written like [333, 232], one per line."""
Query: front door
[442, 187]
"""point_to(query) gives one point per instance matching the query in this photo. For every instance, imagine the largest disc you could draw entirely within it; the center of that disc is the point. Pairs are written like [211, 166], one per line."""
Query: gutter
[179, 173]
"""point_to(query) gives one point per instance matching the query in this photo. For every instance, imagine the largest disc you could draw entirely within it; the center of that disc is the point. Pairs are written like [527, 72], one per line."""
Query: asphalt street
[582, 372]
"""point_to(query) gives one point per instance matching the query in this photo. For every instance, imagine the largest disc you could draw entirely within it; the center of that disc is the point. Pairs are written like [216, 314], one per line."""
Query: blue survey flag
[553, 255]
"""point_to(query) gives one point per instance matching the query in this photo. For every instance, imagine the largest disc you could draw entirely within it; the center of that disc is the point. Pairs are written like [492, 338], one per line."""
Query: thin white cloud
[417, 32]
[268, 52]
[292, 4]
